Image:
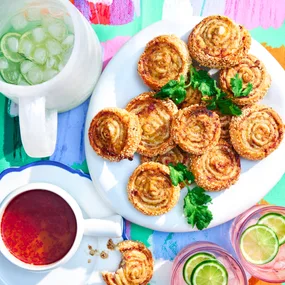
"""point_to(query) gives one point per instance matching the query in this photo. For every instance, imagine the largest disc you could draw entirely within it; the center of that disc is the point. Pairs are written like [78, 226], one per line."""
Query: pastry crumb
[104, 255]
[89, 260]
[111, 245]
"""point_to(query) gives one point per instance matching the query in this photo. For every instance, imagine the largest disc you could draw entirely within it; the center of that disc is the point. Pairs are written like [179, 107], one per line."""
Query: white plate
[120, 83]
[77, 271]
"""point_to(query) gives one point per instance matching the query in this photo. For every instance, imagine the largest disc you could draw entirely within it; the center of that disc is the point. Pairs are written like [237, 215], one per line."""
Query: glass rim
[206, 246]
[245, 264]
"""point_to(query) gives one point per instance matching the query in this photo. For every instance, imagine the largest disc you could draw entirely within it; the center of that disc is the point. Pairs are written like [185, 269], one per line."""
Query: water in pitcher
[35, 45]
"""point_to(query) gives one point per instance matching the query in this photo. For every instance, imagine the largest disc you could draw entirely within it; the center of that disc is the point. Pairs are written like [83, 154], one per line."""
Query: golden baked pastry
[218, 42]
[193, 96]
[225, 125]
[257, 132]
[115, 134]
[136, 267]
[196, 129]
[251, 70]
[165, 58]
[155, 118]
[173, 156]
[218, 168]
[150, 189]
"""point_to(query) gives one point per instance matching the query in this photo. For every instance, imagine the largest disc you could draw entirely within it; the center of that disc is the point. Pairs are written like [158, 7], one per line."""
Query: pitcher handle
[38, 126]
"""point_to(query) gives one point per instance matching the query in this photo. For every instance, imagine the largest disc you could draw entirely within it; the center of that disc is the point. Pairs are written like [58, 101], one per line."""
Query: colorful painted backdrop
[115, 21]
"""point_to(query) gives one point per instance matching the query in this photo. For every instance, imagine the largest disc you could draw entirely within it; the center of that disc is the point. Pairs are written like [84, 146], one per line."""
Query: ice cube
[26, 65]
[54, 47]
[49, 74]
[69, 24]
[33, 14]
[40, 55]
[19, 22]
[58, 30]
[26, 47]
[39, 34]
[51, 62]
[13, 44]
[35, 75]
[68, 42]
[3, 63]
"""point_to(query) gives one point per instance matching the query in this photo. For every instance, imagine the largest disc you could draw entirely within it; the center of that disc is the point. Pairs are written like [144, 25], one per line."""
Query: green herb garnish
[236, 84]
[196, 200]
[174, 90]
[215, 98]
[221, 102]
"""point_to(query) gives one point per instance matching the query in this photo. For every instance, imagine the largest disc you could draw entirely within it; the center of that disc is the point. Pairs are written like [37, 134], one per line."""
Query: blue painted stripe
[203, 7]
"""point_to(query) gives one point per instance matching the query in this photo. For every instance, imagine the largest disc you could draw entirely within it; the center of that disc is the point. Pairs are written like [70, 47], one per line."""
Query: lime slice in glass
[276, 222]
[12, 74]
[10, 47]
[192, 262]
[209, 272]
[259, 244]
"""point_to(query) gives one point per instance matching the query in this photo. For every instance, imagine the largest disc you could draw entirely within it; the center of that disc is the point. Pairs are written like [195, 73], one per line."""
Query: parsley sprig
[175, 90]
[214, 97]
[196, 200]
[236, 84]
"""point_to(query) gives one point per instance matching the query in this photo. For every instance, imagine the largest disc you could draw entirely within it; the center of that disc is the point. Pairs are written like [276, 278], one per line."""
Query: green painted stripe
[151, 12]
[141, 234]
[271, 36]
[277, 194]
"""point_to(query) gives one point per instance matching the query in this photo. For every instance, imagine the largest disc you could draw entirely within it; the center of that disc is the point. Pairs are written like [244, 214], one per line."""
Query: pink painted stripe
[121, 12]
[255, 13]
[111, 47]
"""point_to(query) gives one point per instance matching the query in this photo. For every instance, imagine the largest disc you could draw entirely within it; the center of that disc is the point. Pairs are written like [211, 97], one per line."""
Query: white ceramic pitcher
[40, 104]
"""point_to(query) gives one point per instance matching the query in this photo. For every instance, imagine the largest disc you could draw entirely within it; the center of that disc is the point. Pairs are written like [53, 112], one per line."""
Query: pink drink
[236, 274]
[273, 271]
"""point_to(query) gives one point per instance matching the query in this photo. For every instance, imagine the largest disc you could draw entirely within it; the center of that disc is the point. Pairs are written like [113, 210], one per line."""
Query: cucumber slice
[209, 272]
[10, 47]
[192, 262]
[259, 244]
[12, 74]
[276, 222]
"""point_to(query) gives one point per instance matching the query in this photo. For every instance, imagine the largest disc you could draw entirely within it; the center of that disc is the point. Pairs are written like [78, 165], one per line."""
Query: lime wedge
[10, 47]
[276, 222]
[12, 74]
[209, 272]
[259, 244]
[192, 262]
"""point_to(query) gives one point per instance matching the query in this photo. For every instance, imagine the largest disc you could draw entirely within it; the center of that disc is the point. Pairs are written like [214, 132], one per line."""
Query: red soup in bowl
[38, 227]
